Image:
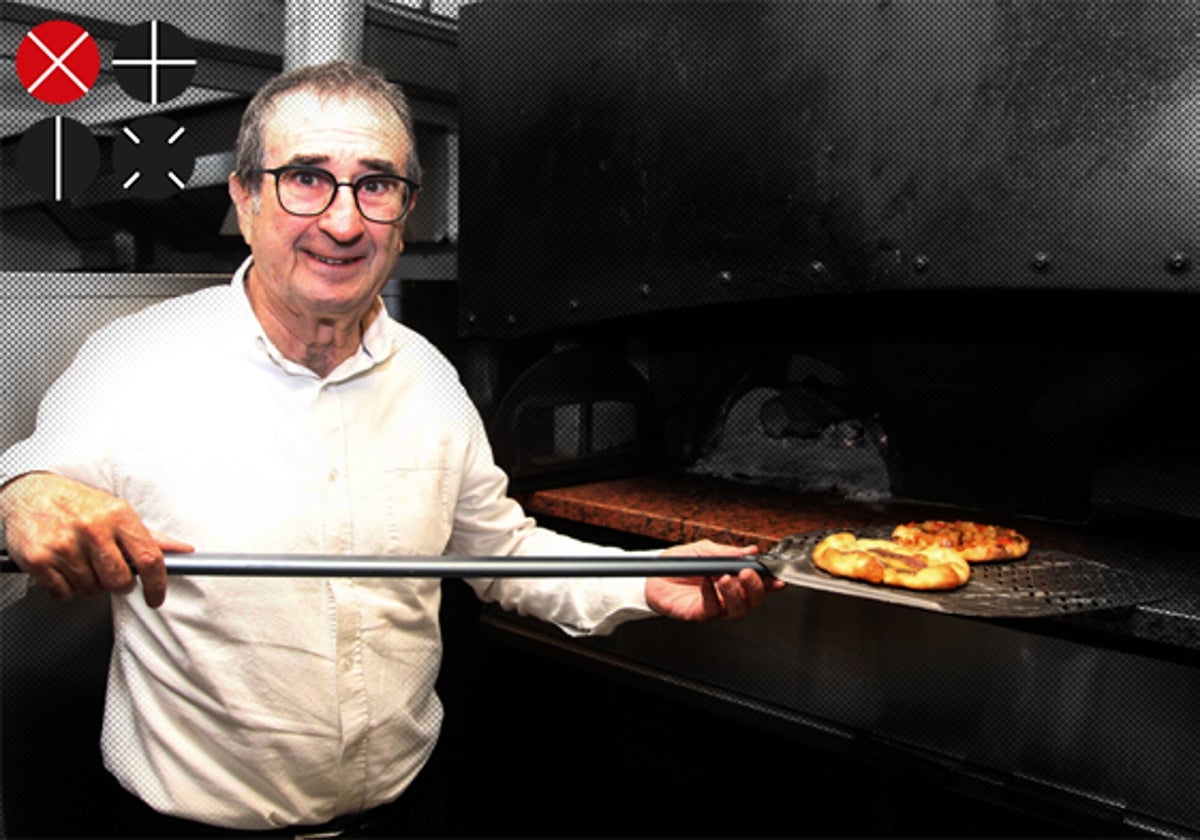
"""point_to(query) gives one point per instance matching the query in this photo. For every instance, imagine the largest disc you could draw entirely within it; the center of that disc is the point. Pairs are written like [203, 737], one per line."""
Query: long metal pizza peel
[447, 566]
[1044, 583]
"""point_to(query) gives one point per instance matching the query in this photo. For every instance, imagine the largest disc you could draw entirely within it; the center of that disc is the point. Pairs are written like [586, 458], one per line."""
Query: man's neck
[319, 344]
[322, 356]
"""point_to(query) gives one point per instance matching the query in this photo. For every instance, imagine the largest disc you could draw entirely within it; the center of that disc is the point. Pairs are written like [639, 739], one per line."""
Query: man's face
[333, 265]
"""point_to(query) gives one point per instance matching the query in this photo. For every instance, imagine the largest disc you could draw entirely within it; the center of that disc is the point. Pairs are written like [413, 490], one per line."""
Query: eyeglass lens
[307, 192]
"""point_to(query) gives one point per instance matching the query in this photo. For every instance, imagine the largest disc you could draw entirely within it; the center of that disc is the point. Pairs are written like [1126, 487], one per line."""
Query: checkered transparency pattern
[54, 655]
[949, 138]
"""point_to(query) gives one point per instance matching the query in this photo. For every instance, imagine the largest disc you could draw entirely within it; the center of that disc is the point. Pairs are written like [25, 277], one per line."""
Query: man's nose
[341, 218]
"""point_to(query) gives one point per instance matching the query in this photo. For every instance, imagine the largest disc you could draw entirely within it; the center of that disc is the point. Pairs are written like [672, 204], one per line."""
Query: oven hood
[630, 158]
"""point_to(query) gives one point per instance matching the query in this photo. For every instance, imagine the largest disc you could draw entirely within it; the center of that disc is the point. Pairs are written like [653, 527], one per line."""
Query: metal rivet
[644, 289]
[920, 263]
[1178, 261]
[816, 267]
[573, 304]
[512, 319]
[1041, 261]
[724, 276]
[470, 317]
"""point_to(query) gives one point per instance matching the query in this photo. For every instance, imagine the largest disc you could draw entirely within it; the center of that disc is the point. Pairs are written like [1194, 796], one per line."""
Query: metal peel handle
[301, 565]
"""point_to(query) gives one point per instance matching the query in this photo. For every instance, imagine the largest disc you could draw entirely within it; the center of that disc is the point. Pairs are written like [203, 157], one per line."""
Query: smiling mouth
[332, 260]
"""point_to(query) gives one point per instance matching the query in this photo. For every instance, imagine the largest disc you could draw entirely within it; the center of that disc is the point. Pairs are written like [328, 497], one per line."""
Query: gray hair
[335, 78]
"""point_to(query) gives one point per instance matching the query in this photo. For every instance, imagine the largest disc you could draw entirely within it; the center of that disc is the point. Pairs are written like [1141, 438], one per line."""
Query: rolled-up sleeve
[487, 522]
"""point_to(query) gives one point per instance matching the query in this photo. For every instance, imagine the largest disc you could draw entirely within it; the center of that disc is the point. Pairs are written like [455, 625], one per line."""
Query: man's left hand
[705, 598]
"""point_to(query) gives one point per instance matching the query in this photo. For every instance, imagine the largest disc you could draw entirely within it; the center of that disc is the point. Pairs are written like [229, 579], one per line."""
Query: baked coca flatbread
[891, 563]
[975, 542]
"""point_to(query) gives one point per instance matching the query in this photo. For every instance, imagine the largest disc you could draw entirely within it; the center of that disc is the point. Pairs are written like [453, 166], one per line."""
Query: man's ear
[243, 203]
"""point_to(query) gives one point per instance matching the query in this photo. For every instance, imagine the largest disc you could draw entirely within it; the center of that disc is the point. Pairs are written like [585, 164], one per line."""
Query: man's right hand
[74, 539]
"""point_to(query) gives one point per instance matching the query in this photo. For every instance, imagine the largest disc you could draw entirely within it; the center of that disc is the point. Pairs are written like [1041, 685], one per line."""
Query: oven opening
[800, 423]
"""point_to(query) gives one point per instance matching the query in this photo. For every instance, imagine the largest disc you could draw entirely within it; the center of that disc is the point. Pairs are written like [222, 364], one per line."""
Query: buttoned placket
[338, 538]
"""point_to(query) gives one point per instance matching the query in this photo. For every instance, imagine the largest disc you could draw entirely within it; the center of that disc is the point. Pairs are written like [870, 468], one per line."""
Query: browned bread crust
[976, 542]
[890, 563]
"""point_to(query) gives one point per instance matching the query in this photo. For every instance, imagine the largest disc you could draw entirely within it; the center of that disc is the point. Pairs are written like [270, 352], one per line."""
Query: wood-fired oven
[750, 270]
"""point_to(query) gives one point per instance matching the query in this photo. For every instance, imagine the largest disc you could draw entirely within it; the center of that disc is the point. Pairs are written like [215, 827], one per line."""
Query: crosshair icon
[153, 157]
[154, 62]
[57, 62]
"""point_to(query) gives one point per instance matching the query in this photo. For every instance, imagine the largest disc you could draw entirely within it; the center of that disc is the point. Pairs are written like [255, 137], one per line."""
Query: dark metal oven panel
[1076, 732]
[625, 158]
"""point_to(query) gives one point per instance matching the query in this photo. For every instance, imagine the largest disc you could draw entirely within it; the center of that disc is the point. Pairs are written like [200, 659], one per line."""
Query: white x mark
[58, 61]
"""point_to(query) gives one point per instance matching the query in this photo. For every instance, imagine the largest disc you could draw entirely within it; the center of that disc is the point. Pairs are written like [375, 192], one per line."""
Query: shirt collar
[379, 342]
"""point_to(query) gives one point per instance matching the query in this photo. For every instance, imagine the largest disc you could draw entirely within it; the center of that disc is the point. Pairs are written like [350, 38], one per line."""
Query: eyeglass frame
[413, 187]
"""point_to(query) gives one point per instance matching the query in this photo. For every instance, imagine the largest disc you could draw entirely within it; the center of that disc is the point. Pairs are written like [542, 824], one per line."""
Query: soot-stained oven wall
[620, 158]
[947, 248]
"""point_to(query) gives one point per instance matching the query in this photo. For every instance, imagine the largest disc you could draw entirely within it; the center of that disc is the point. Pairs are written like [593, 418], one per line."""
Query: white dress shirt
[262, 702]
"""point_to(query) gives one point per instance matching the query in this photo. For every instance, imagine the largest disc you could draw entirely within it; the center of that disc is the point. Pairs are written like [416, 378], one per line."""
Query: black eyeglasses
[309, 190]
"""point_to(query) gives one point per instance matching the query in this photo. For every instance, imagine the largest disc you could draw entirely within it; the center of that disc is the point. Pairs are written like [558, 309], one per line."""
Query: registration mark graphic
[57, 62]
[153, 157]
[58, 158]
[154, 62]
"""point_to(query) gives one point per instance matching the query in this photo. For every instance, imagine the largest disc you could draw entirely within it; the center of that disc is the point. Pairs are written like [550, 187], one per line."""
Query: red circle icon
[57, 61]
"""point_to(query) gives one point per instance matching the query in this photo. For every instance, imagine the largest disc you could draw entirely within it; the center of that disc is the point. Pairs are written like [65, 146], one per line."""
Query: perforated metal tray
[1045, 582]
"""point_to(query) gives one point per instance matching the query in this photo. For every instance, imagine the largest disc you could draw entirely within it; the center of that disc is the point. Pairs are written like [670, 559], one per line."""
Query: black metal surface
[1045, 583]
[1099, 738]
[1065, 716]
[626, 158]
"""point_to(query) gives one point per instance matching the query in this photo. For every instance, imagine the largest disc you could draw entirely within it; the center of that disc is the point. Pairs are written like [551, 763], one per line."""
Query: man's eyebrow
[307, 160]
[381, 165]
[385, 167]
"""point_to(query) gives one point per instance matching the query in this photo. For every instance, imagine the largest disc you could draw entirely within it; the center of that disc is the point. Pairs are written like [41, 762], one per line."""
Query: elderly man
[287, 412]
